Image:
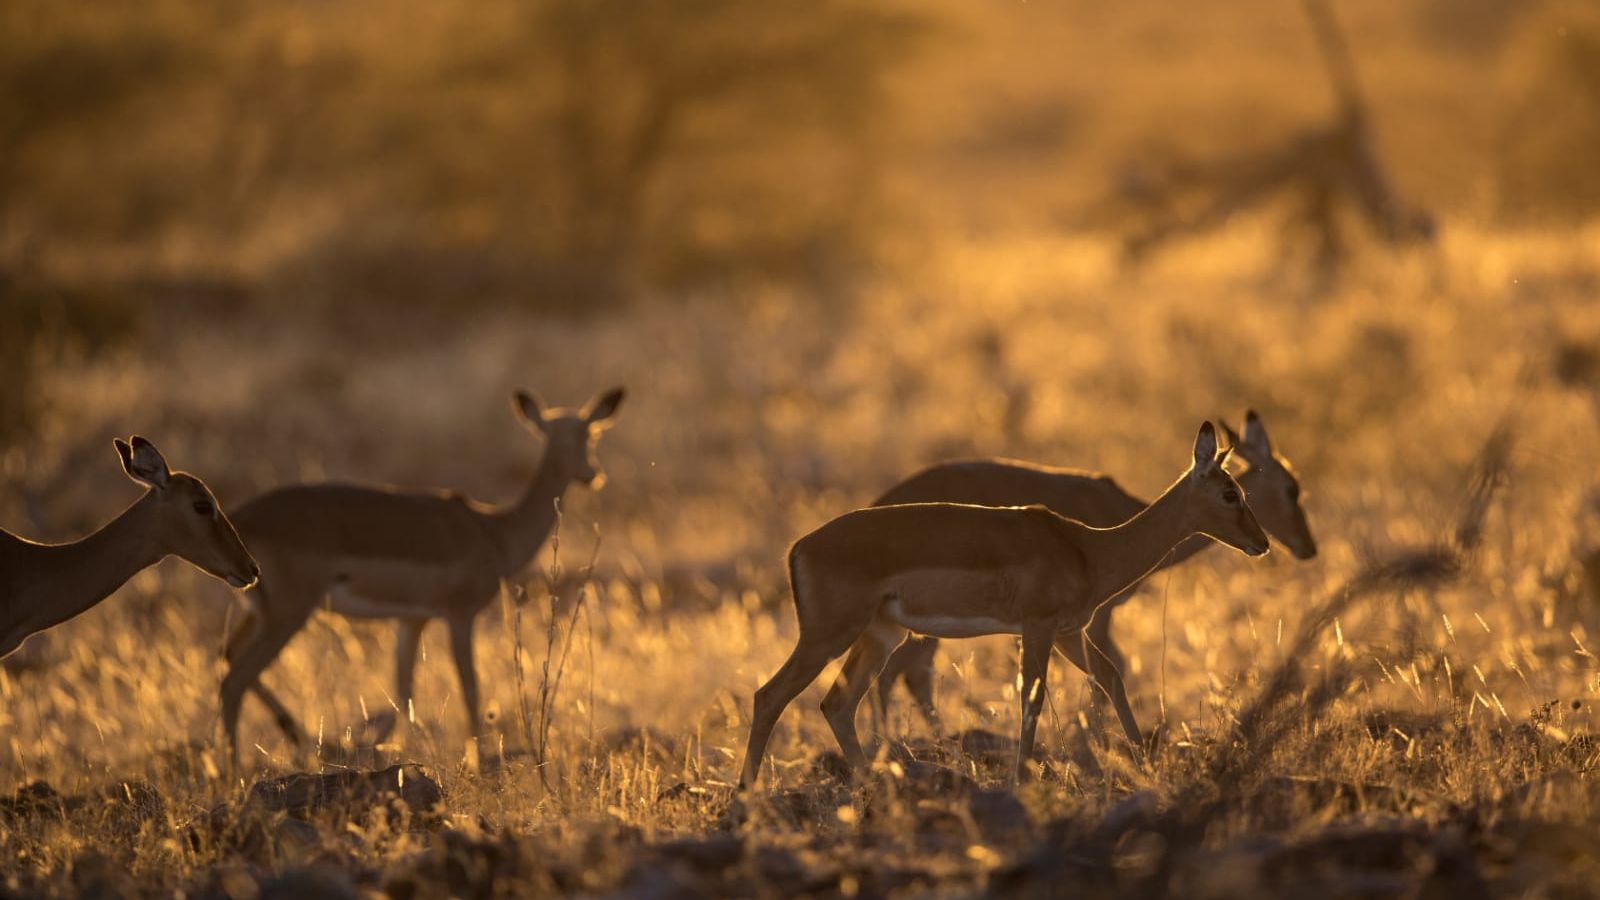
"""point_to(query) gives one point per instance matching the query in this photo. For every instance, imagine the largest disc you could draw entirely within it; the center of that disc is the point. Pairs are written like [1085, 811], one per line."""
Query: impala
[42, 585]
[1269, 482]
[865, 580]
[378, 553]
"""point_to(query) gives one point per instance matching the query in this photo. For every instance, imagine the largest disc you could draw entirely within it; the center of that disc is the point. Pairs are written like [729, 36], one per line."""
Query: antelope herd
[962, 549]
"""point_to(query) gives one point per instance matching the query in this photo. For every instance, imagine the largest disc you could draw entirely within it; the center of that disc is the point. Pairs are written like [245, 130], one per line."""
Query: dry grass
[1427, 725]
[348, 230]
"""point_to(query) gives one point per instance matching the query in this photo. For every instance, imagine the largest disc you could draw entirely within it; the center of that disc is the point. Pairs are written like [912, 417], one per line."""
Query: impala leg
[878, 697]
[1071, 644]
[245, 669]
[247, 632]
[802, 667]
[1105, 664]
[461, 650]
[843, 699]
[1095, 653]
[919, 681]
[912, 661]
[883, 688]
[1036, 641]
[280, 714]
[408, 642]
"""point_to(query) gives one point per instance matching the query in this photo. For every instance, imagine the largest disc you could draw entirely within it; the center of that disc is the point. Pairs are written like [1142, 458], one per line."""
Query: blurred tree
[602, 142]
[62, 73]
[633, 80]
[40, 325]
[1472, 26]
[1549, 132]
[438, 152]
[67, 75]
[1322, 170]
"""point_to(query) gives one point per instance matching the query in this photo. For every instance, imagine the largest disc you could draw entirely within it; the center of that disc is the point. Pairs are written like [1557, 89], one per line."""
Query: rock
[314, 883]
[1083, 853]
[920, 777]
[724, 865]
[1001, 819]
[1137, 810]
[649, 744]
[684, 791]
[1454, 873]
[989, 749]
[940, 829]
[95, 875]
[663, 882]
[980, 741]
[1285, 799]
[780, 871]
[123, 806]
[350, 792]
[255, 835]
[275, 816]
[457, 864]
[704, 854]
[831, 764]
[33, 800]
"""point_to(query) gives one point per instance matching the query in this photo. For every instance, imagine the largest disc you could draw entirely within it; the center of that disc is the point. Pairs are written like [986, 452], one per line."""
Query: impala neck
[1249, 479]
[1189, 546]
[521, 529]
[1122, 555]
[68, 579]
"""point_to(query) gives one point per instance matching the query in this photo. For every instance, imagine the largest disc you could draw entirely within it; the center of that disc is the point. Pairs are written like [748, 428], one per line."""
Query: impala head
[1216, 502]
[188, 521]
[1273, 490]
[571, 434]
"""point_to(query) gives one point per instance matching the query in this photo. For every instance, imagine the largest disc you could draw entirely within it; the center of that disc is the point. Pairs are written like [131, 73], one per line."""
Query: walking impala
[864, 580]
[1269, 483]
[42, 585]
[377, 553]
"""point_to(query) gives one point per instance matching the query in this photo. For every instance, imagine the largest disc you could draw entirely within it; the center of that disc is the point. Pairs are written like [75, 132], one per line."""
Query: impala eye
[1230, 497]
[1294, 492]
[204, 508]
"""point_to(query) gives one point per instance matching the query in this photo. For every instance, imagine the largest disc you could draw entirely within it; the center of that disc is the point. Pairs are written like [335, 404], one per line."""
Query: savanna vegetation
[821, 245]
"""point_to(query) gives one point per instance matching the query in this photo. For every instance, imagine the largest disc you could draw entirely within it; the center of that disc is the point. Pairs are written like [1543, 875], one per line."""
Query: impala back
[367, 552]
[1087, 497]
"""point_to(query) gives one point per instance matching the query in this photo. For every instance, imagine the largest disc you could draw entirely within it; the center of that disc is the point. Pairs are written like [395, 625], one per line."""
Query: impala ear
[1206, 457]
[529, 408]
[143, 462]
[1255, 440]
[1233, 436]
[603, 407]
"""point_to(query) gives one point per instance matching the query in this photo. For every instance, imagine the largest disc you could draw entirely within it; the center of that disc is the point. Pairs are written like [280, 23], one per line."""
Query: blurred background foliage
[423, 151]
[557, 151]
[353, 155]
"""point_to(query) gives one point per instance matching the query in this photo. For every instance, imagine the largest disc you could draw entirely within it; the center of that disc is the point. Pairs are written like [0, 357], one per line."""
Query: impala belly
[952, 603]
[391, 589]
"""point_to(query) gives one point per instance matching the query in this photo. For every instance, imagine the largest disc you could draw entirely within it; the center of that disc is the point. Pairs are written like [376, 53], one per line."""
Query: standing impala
[375, 553]
[1095, 500]
[42, 585]
[864, 580]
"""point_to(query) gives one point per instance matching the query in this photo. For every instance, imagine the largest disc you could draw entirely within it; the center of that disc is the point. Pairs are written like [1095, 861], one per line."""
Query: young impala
[1269, 482]
[377, 553]
[42, 585]
[864, 580]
